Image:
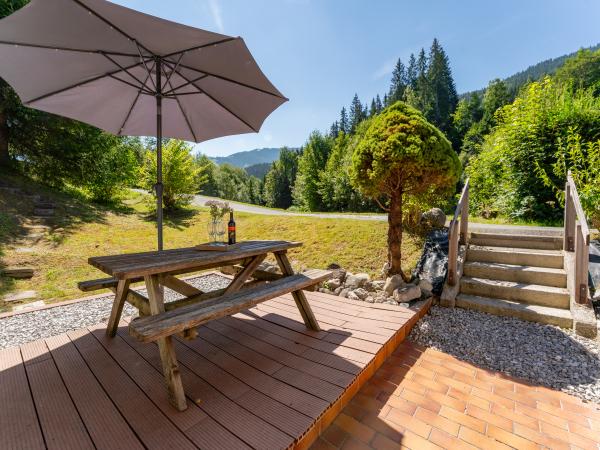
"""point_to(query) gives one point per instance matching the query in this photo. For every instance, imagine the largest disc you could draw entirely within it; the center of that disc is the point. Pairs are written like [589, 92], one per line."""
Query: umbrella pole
[159, 185]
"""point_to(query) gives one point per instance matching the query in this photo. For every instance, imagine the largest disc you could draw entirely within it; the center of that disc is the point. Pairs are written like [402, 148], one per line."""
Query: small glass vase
[216, 230]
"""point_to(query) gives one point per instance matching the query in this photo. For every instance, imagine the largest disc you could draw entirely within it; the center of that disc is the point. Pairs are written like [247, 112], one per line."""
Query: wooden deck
[258, 379]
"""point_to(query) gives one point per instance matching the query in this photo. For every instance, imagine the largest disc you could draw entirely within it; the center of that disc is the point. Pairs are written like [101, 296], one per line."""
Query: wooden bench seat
[102, 283]
[152, 328]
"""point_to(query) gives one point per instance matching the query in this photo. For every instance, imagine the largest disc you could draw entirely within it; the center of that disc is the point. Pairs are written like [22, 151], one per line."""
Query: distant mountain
[249, 158]
[534, 72]
[258, 170]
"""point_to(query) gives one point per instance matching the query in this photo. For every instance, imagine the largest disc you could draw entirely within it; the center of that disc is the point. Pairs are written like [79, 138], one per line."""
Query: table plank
[155, 262]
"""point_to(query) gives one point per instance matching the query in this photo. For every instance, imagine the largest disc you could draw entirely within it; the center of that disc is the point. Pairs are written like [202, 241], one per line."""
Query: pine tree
[420, 96]
[386, 101]
[356, 113]
[378, 104]
[398, 85]
[373, 109]
[411, 72]
[335, 129]
[344, 124]
[440, 84]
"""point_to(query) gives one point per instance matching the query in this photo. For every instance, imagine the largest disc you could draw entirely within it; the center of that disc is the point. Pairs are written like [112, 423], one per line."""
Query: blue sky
[320, 52]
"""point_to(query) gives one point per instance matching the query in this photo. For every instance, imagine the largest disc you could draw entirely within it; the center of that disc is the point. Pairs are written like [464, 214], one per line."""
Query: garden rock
[393, 283]
[407, 293]
[361, 293]
[385, 270]
[353, 296]
[338, 290]
[334, 283]
[358, 280]
[344, 292]
[435, 218]
[426, 287]
[337, 272]
[369, 299]
[377, 285]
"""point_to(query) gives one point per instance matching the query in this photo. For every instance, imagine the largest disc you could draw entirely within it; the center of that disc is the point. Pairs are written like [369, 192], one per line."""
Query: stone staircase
[516, 275]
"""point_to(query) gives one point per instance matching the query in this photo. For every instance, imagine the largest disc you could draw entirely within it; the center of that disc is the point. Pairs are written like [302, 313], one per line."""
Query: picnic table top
[132, 265]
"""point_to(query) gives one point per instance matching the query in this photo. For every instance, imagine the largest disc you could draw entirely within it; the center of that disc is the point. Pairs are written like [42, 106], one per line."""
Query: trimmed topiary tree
[401, 154]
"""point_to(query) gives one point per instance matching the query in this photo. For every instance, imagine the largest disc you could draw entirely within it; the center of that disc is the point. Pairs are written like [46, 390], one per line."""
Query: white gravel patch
[544, 354]
[31, 326]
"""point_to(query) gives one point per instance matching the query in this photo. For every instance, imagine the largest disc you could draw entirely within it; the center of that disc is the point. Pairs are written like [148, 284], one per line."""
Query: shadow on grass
[179, 219]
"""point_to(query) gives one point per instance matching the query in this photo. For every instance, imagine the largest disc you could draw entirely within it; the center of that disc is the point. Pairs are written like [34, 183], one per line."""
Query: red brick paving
[425, 399]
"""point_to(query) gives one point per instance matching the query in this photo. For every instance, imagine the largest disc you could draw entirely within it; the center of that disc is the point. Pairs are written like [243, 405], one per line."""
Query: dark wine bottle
[231, 228]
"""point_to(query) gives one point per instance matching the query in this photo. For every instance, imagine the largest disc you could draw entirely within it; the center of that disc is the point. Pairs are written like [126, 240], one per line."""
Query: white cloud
[386, 69]
[215, 10]
[268, 137]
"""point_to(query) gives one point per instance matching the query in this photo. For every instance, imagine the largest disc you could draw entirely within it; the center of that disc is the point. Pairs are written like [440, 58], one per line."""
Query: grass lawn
[81, 230]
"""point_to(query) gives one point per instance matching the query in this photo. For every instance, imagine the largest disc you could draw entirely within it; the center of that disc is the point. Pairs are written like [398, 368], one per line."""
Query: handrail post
[464, 217]
[581, 266]
[569, 231]
[452, 253]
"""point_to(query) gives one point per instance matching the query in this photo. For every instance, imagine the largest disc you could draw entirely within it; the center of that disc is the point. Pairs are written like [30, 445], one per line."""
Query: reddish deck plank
[62, 427]
[19, 426]
[258, 379]
[107, 427]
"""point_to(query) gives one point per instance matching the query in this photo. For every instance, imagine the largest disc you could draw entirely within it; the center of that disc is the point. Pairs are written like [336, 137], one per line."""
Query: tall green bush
[582, 159]
[181, 176]
[528, 132]
[402, 155]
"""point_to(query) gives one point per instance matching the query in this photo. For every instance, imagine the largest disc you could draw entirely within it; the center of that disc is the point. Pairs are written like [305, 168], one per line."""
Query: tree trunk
[4, 157]
[395, 236]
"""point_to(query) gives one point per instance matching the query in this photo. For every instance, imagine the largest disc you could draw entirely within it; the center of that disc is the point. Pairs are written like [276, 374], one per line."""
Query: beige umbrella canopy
[133, 74]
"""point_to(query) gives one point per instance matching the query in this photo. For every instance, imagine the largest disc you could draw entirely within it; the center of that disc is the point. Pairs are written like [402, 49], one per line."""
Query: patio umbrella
[133, 74]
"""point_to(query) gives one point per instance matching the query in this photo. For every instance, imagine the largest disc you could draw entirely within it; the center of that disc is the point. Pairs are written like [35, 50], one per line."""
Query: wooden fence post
[569, 233]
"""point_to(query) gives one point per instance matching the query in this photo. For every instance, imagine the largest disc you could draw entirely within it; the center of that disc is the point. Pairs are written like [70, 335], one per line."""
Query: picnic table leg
[301, 301]
[117, 308]
[165, 345]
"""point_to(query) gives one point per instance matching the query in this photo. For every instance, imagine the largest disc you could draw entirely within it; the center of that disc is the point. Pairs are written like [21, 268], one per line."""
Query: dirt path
[199, 200]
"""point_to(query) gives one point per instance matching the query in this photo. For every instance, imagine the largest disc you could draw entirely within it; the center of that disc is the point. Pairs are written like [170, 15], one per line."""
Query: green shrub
[180, 174]
[503, 175]
[583, 160]
[400, 156]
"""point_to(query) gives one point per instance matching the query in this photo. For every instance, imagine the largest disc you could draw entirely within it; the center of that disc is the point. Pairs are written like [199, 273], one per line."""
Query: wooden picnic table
[159, 321]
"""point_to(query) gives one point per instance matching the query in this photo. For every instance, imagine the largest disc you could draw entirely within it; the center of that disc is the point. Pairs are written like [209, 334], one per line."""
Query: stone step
[19, 296]
[43, 212]
[533, 294]
[10, 190]
[517, 241]
[534, 313]
[44, 205]
[17, 272]
[521, 274]
[518, 256]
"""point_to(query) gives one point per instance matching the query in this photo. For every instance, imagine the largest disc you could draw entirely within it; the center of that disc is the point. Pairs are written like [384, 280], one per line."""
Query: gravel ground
[27, 327]
[543, 354]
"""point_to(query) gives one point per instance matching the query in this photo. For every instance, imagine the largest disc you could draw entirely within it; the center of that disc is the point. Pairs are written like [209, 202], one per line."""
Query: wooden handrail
[577, 239]
[456, 239]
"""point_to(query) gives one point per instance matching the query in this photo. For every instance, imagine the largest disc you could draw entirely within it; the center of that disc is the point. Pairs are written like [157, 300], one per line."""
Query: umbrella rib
[233, 81]
[198, 47]
[68, 49]
[187, 120]
[58, 91]
[133, 105]
[173, 71]
[125, 70]
[140, 88]
[109, 23]
[218, 102]
[174, 89]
